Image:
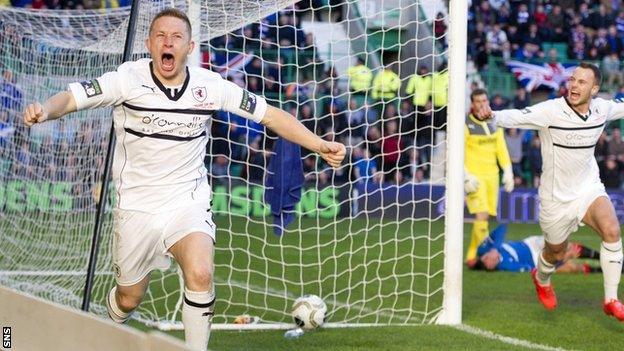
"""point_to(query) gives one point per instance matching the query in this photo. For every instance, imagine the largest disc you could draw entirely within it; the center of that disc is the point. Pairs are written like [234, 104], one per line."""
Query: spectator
[485, 14]
[439, 88]
[601, 19]
[611, 172]
[439, 28]
[357, 119]
[419, 88]
[521, 98]
[619, 23]
[10, 94]
[514, 138]
[611, 69]
[620, 94]
[534, 156]
[255, 67]
[528, 52]
[616, 145]
[424, 132]
[365, 169]
[503, 16]
[360, 77]
[495, 40]
[514, 38]
[407, 121]
[391, 150]
[601, 44]
[499, 102]
[257, 162]
[613, 40]
[556, 23]
[541, 18]
[522, 18]
[414, 170]
[578, 36]
[533, 36]
[601, 151]
[373, 141]
[386, 85]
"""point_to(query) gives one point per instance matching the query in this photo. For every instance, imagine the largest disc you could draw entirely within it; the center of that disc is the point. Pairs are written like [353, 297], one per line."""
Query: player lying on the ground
[571, 193]
[498, 254]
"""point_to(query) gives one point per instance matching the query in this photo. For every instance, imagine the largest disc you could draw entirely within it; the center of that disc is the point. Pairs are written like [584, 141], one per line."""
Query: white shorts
[141, 240]
[535, 244]
[560, 219]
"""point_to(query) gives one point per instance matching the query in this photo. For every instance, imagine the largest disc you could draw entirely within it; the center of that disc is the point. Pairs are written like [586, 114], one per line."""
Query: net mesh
[368, 237]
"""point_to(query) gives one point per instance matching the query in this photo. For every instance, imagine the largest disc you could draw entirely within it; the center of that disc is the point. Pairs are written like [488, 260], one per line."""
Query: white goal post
[381, 248]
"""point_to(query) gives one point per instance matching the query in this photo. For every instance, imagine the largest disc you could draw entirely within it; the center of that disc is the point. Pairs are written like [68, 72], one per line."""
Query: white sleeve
[616, 109]
[106, 90]
[241, 102]
[533, 117]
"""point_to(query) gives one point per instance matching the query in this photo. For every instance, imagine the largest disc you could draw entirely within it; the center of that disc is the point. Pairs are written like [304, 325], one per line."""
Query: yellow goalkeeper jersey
[485, 147]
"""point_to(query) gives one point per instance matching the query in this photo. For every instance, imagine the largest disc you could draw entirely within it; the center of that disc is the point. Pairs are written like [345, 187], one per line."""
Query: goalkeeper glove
[508, 179]
[471, 183]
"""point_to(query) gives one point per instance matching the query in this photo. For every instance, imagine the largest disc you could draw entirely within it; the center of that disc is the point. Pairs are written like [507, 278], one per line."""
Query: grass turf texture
[500, 302]
[503, 303]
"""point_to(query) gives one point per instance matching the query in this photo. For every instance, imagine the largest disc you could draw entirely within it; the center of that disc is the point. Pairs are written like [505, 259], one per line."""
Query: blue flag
[284, 183]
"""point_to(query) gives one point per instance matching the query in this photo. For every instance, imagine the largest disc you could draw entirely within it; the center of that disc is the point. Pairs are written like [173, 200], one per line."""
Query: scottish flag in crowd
[532, 76]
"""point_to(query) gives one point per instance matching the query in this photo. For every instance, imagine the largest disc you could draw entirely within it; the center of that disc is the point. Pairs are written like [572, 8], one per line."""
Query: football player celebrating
[161, 109]
[571, 193]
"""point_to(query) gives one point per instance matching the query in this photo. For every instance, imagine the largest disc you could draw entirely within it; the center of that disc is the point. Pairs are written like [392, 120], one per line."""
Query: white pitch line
[506, 339]
[463, 327]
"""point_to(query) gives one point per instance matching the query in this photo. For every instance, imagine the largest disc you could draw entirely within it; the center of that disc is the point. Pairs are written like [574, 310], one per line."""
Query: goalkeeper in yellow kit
[486, 150]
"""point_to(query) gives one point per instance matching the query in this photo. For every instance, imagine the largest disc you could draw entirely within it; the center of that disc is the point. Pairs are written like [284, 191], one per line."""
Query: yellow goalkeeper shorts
[485, 199]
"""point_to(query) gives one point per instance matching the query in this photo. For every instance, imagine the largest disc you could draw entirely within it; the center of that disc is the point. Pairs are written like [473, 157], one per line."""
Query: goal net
[368, 238]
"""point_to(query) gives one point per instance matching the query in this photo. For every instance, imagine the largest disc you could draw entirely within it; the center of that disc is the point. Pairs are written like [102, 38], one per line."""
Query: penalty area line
[505, 339]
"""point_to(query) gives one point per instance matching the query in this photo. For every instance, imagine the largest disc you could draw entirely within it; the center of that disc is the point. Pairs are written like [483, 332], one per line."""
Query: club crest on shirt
[199, 93]
[248, 102]
[91, 87]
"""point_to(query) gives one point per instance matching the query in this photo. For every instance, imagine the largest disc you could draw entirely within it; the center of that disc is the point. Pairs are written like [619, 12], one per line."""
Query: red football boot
[614, 308]
[545, 293]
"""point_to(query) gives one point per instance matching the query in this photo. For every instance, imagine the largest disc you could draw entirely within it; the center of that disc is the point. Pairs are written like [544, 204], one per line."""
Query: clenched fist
[333, 153]
[34, 113]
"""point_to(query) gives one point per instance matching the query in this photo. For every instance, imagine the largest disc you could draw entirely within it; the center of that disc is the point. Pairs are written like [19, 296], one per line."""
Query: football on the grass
[309, 311]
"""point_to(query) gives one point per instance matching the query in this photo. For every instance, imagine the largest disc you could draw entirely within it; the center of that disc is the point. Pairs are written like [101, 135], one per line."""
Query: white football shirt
[161, 133]
[567, 142]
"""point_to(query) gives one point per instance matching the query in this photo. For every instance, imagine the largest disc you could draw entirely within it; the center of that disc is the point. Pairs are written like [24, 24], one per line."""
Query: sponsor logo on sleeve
[91, 87]
[525, 111]
[248, 103]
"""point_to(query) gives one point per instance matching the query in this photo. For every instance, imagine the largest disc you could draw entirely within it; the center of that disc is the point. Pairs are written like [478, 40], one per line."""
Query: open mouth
[167, 62]
[574, 95]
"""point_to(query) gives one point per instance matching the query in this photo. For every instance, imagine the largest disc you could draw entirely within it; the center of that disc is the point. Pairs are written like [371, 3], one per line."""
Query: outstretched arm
[533, 117]
[55, 107]
[288, 127]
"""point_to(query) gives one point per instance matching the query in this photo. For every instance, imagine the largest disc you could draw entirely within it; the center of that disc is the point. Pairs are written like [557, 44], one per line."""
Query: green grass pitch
[498, 302]
[345, 255]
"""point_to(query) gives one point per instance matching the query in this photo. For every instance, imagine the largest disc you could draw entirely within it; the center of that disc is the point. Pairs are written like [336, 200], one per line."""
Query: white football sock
[197, 311]
[544, 270]
[114, 312]
[611, 264]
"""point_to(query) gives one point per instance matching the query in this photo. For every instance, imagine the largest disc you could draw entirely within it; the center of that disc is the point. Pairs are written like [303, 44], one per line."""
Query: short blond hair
[171, 12]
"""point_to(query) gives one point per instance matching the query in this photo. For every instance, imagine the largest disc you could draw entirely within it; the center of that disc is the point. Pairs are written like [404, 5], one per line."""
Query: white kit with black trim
[161, 132]
[567, 142]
